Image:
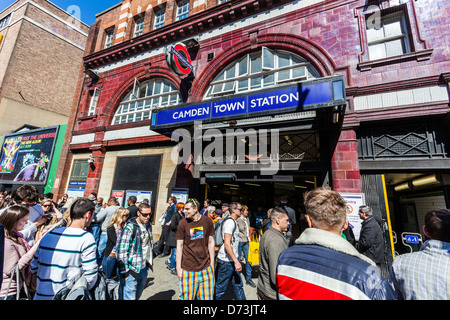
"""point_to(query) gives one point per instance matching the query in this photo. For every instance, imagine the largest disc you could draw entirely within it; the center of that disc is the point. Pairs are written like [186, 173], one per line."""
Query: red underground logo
[179, 60]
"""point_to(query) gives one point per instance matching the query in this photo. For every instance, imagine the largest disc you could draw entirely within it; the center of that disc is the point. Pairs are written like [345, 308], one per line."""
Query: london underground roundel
[179, 60]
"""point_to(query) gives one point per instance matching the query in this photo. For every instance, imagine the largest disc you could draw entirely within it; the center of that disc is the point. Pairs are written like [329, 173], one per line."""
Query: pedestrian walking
[66, 252]
[243, 223]
[228, 265]
[135, 254]
[16, 251]
[206, 204]
[163, 249]
[103, 218]
[319, 265]
[176, 218]
[273, 242]
[425, 275]
[370, 241]
[114, 232]
[195, 254]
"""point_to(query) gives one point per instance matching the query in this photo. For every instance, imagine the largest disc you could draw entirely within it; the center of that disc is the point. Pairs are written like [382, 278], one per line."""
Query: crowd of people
[207, 248]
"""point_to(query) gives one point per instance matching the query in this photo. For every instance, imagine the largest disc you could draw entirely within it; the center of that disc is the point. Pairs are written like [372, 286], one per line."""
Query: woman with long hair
[114, 232]
[17, 250]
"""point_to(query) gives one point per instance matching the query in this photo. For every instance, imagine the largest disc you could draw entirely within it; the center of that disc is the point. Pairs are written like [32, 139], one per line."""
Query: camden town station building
[351, 94]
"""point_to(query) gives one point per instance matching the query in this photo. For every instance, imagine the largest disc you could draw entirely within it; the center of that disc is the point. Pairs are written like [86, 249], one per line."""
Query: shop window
[109, 36]
[182, 10]
[262, 69]
[388, 37]
[145, 97]
[160, 16]
[138, 27]
[94, 100]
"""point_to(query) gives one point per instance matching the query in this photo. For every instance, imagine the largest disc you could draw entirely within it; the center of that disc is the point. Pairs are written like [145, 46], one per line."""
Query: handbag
[253, 251]
[21, 294]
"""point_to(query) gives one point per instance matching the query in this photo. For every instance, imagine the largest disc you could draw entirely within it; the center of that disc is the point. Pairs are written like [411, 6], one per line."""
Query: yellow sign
[1, 38]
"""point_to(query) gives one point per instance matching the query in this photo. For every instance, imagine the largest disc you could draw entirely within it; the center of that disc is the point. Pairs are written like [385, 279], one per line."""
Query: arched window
[262, 69]
[144, 97]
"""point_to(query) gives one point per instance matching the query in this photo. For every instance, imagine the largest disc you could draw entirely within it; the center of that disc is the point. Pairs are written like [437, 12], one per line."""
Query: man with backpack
[228, 266]
[134, 254]
[195, 254]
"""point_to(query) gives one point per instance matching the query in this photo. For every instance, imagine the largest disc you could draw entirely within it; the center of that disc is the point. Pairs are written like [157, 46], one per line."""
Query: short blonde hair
[326, 208]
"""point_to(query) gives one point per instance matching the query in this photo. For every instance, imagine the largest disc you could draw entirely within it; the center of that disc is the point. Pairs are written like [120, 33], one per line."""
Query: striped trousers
[198, 285]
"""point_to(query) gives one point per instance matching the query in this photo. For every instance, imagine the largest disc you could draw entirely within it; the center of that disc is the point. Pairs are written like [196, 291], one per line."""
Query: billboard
[26, 156]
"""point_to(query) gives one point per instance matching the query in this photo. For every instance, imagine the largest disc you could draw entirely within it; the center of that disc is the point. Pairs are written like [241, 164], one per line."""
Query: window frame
[181, 6]
[158, 13]
[138, 27]
[140, 107]
[94, 101]
[109, 34]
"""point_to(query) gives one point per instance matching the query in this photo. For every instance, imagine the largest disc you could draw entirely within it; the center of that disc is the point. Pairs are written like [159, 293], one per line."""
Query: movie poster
[26, 157]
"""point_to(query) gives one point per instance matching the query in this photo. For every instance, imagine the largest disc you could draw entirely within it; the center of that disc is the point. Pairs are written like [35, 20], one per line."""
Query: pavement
[162, 285]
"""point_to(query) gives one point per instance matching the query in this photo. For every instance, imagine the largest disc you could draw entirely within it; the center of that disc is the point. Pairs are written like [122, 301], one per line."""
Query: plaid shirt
[423, 275]
[130, 258]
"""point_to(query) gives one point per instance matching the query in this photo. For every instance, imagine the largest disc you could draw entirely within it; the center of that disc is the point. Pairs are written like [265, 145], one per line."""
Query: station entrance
[264, 192]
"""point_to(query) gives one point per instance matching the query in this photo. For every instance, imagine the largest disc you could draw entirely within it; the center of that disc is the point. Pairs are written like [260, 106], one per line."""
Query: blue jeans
[132, 288]
[225, 274]
[172, 258]
[101, 247]
[109, 265]
[243, 247]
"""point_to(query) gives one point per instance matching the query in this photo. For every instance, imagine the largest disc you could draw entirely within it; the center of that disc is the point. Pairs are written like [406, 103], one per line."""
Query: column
[345, 163]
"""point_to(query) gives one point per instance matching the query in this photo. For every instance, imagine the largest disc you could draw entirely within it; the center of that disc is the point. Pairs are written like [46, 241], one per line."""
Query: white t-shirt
[228, 226]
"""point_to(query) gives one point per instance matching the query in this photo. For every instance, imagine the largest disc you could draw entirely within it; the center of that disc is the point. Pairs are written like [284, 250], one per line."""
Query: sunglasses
[145, 215]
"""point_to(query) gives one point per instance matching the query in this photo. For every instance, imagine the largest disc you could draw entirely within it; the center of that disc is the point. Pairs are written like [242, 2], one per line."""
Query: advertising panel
[26, 156]
[354, 201]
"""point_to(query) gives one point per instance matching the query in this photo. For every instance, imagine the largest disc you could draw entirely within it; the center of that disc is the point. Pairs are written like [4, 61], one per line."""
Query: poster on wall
[181, 194]
[119, 194]
[76, 189]
[140, 195]
[26, 156]
[354, 201]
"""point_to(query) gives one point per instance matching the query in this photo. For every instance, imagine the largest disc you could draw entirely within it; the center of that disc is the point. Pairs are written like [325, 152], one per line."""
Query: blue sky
[85, 10]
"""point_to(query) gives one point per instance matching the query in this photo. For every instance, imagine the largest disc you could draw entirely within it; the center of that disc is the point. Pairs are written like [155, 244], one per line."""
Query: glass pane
[284, 75]
[116, 120]
[374, 34]
[394, 48]
[231, 72]
[130, 118]
[147, 104]
[377, 51]
[229, 86]
[283, 60]
[125, 108]
[146, 115]
[132, 107]
[269, 80]
[255, 83]
[243, 85]
[155, 102]
[173, 99]
[140, 105]
[164, 101]
[217, 88]
[84, 170]
[296, 60]
[123, 119]
[243, 66]
[299, 72]
[138, 116]
[157, 89]
[268, 58]
[150, 89]
[255, 64]
[166, 87]
[393, 28]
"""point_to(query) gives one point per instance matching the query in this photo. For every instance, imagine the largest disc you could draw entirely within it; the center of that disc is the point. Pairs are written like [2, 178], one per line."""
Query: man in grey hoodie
[273, 242]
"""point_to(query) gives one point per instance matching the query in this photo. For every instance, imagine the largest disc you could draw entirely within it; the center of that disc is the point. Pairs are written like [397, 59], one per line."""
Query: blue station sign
[302, 96]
